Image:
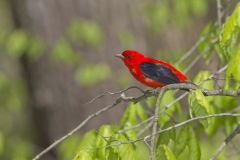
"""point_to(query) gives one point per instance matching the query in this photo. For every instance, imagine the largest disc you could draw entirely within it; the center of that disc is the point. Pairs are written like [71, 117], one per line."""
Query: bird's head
[130, 56]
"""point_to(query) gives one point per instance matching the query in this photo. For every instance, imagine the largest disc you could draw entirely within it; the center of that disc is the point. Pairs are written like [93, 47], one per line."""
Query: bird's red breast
[151, 72]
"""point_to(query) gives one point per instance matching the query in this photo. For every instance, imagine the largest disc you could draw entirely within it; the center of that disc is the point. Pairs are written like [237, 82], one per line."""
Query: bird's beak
[119, 56]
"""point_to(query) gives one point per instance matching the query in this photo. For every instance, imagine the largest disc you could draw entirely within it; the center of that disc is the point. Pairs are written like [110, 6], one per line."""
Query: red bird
[151, 72]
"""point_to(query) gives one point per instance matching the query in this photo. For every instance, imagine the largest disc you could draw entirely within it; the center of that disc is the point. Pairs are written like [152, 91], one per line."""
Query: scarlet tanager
[151, 72]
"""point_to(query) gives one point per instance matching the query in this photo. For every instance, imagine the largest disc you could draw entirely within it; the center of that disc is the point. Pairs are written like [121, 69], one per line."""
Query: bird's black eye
[129, 57]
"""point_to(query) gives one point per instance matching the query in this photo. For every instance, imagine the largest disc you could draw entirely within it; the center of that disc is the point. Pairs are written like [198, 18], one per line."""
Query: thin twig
[107, 93]
[226, 141]
[90, 117]
[190, 51]
[176, 100]
[147, 138]
[83, 123]
[145, 128]
[209, 78]
[147, 144]
[135, 126]
[192, 63]
[136, 99]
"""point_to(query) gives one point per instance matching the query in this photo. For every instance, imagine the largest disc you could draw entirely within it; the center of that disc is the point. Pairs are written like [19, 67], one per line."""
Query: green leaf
[156, 16]
[166, 115]
[225, 103]
[126, 151]
[132, 113]
[140, 111]
[230, 124]
[85, 148]
[89, 140]
[200, 106]
[230, 32]
[201, 79]
[205, 47]
[169, 154]
[230, 26]
[233, 69]
[142, 152]
[160, 153]
[126, 39]
[17, 43]
[129, 119]
[182, 8]
[112, 154]
[36, 47]
[105, 132]
[63, 52]
[184, 154]
[181, 140]
[201, 76]
[151, 101]
[199, 7]
[164, 138]
[92, 74]
[83, 155]
[86, 32]
[20, 149]
[69, 147]
[194, 148]
[191, 150]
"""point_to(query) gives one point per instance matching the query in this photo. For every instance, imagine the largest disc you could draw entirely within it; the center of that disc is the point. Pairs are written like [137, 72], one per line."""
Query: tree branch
[107, 93]
[83, 123]
[135, 126]
[135, 100]
[155, 122]
[147, 138]
[191, 50]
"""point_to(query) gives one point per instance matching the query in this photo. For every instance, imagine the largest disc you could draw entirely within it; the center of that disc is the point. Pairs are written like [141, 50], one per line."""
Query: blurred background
[56, 55]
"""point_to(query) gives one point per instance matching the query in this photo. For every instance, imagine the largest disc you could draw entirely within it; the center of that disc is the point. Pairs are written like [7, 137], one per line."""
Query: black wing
[158, 73]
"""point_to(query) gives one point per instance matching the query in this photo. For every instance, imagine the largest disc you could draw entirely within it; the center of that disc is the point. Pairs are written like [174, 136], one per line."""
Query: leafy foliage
[167, 114]
[17, 42]
[86, 32]
[92, 74]
[158, 15]
[185, 142]
[126, 39]
[209, 34]
[233, 70]
[63, 52]
[200, 106]
[230, 33]
[120, 141]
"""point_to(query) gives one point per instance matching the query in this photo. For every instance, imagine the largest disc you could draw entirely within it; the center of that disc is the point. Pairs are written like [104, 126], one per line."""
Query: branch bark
[226, 141]
[147, 138]
[155, 122]
[135, 100]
